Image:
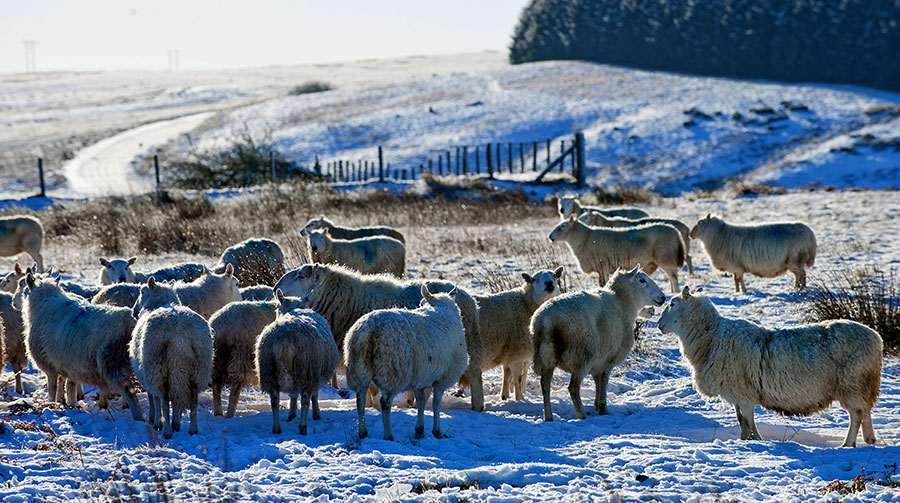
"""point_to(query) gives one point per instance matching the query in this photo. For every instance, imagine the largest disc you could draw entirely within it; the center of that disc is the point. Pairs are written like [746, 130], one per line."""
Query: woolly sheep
[208, 293]
[258, 292]
[256, 261]
[236, 328]
[403, 349]
[116, 271]
[171, 353]
[81, 342]
[338, 232]
[296, 354]
[590, 333]
[10, 281]
[603, 250]
[568, 206]
[766, 250]
[21, 233]
[371, 255]
[503, 322]
[118, 294]
[595, 219]
[186, 272]
[342, 296]
[14, 351]
[794, 371]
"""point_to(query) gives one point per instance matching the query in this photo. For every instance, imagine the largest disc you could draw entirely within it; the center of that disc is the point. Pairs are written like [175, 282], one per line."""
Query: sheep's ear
[132, 260]
[559, 272]
[709, 216]
[104, 262]
[229, 270]
[527, 277]
[29, 280]
[572, 217]
[151, 282]
[50, 270]
[454, 292]
[19, 271]
[686, 292]
[58, 278]
[636, 269]
[425, 293]
[279, 295]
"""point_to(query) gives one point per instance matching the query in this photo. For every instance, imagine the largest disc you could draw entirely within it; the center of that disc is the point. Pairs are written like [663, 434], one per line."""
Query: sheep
[590, 333]
[236, 328]
[258, 292]
[118, 294]
[794, 371]
[603, 250]
[503, 321]
[256, 261]
[766, 250]
[342, 296]
[407, 349]
[21, 233]
[10, 281]
[187, 272]
[595, 219]
[81, 342]
[371, 255]
[338, 232]
[14, 351]
[295, 354]
[171, 352]
[116, 271]
[568, 206]
[209, 292]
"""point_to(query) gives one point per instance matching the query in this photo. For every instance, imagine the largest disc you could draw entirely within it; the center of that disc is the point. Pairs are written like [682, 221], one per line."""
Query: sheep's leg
[410, 399]
[292, 412]
[19, 388]
[176, 418]
[151, 405]
[334, 382]
[507, 382]
[103, 401]
[167, 416]
[386, 401]
[276, 405]
[436, 408]
[71, 392]
[746, 412]
[853, 431]
[317, 414]
[79, 391]
[521, 376]
[687, 259]
[672, 274]
[361, 414]
[743, 284]
[304, 411]
[477, 386]
[130, 398]
[745, 431]
[420, 416]
[867, 428]
[737, 283]
[158, 424]
[575, 393]
[52, 385]
[800, 278]
[601, 382]
[193, 428]
[373, 398]
[546, 382]
[217, 399]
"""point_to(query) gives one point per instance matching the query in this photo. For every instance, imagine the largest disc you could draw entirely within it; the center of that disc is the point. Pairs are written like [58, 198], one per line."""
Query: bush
[312, 86]
[852, 41]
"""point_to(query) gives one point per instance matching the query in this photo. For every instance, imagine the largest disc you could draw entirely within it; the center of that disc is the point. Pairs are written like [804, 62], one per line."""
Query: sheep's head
[300, 282]
[318, 241]
[563, 229]
[671, 321]
[228, 282]
[314, 224]
[153, 296]
[703, 225]
[433, 299]
[9, 282]
[118, 270]
[640, 286]
[23, 290]
[288, 304]
[544, 284]
[566, 206]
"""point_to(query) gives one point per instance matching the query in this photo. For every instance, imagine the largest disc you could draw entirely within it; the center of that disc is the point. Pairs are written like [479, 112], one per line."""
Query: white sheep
[503, 322]
[116, 271]
[338, 232]
[766, 250]
[10, 281]
[590, 332]
[84, 343]
[794, 371]
[407, 349]
[296, 354]
[568, 206]
[171, 353]
[208, 293]
[342, 296]
[186, 272]
[258, 292]
[595, 219]
[14, 351]
[604, 250]
[256, 261]
[371, 255]
[236, 328]
[118, 294]
[21, 233]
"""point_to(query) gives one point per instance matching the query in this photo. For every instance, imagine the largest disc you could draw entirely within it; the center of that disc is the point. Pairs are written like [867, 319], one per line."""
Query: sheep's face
[9, 282]
[314, 224]
[299, 282]
[154, 295]
[228, 282]
[563, 229]
[544, 284]
[565, 206]
[317, 242]
[118, 271]
[21, 292]
[702, 226]
[649, 291]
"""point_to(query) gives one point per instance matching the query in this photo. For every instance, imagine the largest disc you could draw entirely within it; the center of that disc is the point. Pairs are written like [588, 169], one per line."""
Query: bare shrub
[743, 189]
[312, 86]
[624, 195]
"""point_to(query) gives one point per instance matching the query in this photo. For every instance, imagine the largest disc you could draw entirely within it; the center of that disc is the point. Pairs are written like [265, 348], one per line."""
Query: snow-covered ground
[660, 442]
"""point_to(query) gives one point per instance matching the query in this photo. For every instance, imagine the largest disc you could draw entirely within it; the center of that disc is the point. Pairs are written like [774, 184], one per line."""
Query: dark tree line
[838, 41]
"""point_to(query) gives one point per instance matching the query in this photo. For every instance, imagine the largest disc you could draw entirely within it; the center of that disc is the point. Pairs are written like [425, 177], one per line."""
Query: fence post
[440, 165]
[448, 162]
[490, 165]
[477, 159]
[431, 166]
[465, 162]
[499, 159]
[156, 169]
[380, 165]
[272, 164]
[579, 159]
[457, 160]
[534, 155]
[548, 151]
[41, 176]
[509, 157]
[318, 167]
[562, 149]
[521, 157]
[340, 171]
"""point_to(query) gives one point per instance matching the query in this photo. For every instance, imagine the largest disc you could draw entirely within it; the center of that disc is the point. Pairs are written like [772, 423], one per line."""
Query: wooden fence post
[477, 159]
[548, 150]
[509, 158]
[272, 164]
[431, 166]
[499, 159]
[579, 159]
[457, 160]
[41, 176]
[521, 157]
[465, 161]
[318, 167]
[490, 165]
[156, 169]
[562, 149]
[534, 155]
[340, 170]
[440, 165]
[380, 165]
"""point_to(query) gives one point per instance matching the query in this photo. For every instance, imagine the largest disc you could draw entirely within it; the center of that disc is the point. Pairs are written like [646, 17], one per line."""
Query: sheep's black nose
[122, 279]
[548, 286]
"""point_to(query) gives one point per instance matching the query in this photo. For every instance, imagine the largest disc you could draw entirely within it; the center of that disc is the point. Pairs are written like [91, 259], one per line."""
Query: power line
[30, 65]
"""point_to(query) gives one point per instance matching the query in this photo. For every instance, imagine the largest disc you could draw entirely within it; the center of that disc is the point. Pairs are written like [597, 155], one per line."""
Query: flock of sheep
[249, 322]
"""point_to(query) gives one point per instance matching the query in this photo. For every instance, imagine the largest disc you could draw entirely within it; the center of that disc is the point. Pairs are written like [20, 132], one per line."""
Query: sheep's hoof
[167, 435]
[229, 415]
[276, 430]
[291, 416]
[419, 433]
[363, 434]
[389, 438]
[317, 415]
[439, 434]
[303, 429]
[217, 413]
[548, 419]
[193, 431]
[176, 426]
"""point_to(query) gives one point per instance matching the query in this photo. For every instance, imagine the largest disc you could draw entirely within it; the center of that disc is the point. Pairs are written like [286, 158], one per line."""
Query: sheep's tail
[812, 252]
[682, 250]
[543, 346]
[181, 364]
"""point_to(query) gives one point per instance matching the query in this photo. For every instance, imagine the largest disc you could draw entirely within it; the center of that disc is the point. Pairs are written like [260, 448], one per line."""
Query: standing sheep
[187, 272]
[256, 261]
[590, 333]
[171, 353]
[81, 342]
[765, 250]
[118, 294]
[337, 232]
[371, 255]
[569, 206]
[258, 292]
[21, 233]
[296, 354]
[603, 250]
[403, 349]
[595, 219]
[236, 328]
[10, 281]
[13, 331]
[793, 371]
[342, 296]
[503, 322]
[116, 271]
[208, 293]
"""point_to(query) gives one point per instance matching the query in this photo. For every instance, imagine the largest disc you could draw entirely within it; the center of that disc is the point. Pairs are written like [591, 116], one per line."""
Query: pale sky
[128, 34]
